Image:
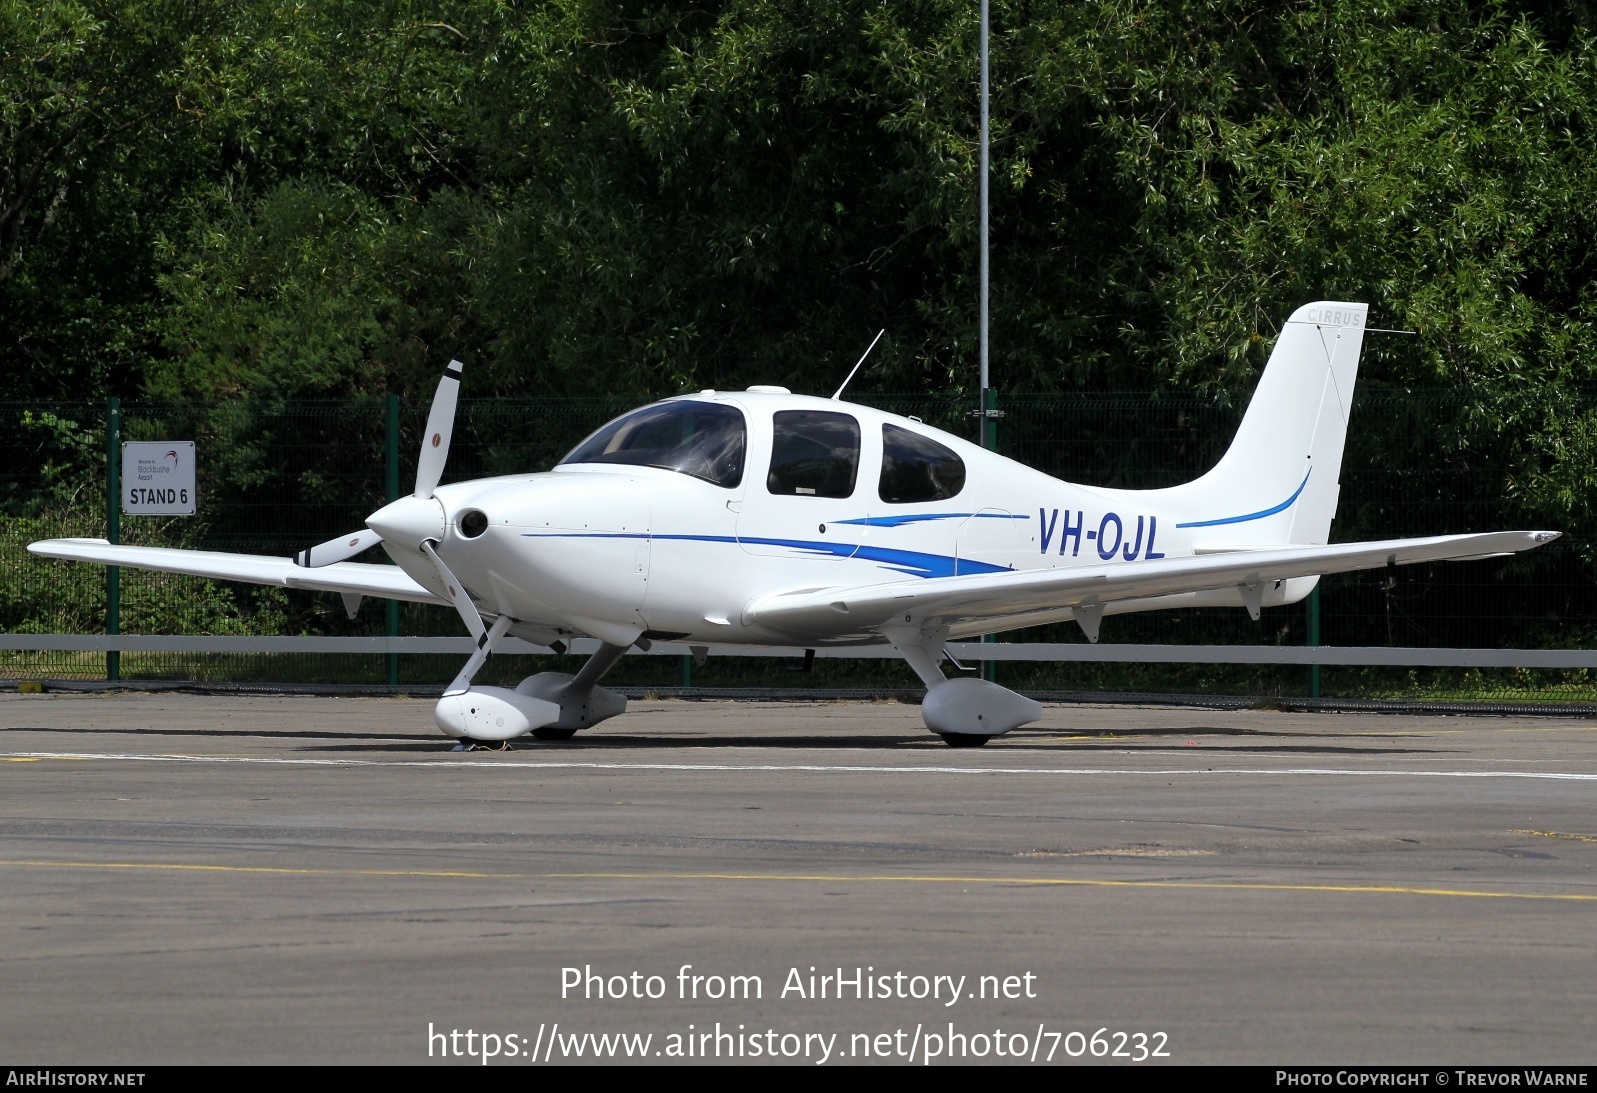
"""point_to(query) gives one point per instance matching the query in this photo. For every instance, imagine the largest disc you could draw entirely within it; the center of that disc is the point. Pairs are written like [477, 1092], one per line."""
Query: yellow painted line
[1081, 882]
[260, 869]
[42, 758]
[1555, 835]
[819, 878]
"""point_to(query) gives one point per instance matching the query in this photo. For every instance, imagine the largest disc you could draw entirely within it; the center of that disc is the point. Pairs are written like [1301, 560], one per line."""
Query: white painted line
[445, 763]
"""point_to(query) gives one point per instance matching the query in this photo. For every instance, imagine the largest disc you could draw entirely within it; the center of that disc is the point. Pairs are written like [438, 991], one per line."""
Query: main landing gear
[965, 712]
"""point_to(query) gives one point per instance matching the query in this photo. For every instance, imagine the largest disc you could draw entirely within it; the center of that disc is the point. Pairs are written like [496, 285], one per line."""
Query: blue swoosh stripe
[921, 517]
[907, 518]
[926, 565]
[1261, 514]
[911, 562]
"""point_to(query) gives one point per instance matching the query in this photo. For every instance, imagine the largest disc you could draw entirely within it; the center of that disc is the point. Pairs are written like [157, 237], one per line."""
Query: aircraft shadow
[1187, 731]
[223, 734]
[1022, 740]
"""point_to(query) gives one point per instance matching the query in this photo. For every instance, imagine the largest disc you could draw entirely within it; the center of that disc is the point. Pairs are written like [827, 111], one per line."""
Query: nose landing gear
[549, 705]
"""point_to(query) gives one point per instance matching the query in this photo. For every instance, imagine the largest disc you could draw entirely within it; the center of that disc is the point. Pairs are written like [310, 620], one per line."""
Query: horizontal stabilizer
[385, 581]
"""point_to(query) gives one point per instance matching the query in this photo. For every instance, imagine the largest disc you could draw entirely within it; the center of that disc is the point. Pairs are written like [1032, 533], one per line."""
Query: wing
[997, 596]
[387, 581]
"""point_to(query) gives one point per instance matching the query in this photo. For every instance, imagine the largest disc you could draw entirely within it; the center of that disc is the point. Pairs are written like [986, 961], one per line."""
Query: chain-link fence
[275, 477]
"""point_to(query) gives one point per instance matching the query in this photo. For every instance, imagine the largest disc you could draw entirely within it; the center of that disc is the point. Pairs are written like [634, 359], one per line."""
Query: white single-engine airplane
[763, 518]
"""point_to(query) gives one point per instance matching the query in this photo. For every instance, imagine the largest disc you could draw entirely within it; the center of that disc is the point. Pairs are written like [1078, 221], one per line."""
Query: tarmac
[263, 879]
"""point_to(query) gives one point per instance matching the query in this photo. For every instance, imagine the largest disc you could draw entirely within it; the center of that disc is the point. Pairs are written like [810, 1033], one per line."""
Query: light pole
[989, 438]
[986, 412]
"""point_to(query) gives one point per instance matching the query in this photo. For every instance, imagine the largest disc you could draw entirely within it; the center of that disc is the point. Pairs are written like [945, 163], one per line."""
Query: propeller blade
[457, 594]
[340, 549]
[440, 424]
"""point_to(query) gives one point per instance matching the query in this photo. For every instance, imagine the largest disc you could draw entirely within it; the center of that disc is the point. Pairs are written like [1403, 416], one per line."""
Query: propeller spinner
[429, 469]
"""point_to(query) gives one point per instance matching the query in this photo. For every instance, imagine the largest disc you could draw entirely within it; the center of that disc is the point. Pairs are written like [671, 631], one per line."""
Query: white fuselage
[620, 551]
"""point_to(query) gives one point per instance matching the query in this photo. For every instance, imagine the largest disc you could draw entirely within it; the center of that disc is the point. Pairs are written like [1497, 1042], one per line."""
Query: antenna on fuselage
[839, 392]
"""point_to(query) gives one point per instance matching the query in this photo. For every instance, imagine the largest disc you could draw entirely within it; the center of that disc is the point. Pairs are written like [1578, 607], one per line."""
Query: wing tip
[44, 547]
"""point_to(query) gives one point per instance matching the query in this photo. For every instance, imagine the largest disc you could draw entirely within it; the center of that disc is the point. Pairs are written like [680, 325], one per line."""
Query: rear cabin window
[917, 468]
[815, 453]
[705, 440]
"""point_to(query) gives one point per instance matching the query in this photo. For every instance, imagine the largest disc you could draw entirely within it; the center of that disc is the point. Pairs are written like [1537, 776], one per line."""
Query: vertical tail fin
[1278, 482]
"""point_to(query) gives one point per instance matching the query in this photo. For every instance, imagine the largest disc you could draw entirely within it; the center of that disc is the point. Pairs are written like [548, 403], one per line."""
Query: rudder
[1279, 480]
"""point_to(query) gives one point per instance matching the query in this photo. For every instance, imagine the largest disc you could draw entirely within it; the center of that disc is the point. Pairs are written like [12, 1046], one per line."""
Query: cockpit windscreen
[703, 439]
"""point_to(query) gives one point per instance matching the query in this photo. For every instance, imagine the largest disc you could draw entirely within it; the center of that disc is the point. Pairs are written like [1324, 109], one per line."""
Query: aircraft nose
[409, 521]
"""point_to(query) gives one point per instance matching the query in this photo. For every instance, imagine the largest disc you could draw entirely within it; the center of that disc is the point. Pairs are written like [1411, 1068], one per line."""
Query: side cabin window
[705, 440]
[917, 468]
[815, 453]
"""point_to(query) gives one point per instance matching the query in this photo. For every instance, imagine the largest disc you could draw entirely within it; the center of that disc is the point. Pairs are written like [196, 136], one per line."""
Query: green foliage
[283, 301]
[591, 197]
[69, 461]
[602, 197]
[99, 139]
[42, 596]
[251, 202]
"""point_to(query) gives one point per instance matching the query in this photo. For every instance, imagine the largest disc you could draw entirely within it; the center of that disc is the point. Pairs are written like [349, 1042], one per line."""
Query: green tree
[100, 129]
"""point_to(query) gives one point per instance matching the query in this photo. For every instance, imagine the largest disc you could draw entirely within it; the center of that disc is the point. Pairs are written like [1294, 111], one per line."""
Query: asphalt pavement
[190, 878]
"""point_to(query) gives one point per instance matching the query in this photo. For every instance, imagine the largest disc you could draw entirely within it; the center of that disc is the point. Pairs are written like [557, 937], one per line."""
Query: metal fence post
[1314, 639]
[113, 530]
[393, 495]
